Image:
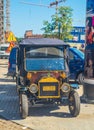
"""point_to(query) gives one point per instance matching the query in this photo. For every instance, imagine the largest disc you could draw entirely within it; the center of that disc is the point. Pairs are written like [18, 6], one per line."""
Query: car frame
[75, 56]
[42, 74]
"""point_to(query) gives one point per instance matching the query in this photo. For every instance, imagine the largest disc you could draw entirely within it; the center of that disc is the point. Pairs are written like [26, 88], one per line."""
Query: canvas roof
[42, 42]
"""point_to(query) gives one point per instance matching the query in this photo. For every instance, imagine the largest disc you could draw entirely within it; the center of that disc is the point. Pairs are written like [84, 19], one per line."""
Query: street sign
[11, 38]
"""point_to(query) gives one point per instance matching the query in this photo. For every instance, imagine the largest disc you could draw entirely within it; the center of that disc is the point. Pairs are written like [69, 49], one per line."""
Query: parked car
[42, 74]
[12, 63]
[76, 64]
[3, 51]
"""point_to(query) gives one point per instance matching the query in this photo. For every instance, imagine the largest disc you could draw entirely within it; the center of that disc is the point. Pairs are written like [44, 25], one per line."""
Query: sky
[29, 17]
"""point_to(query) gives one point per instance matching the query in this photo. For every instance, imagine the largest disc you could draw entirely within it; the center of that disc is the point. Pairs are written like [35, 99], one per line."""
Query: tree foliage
[60, 25]
[18, 39]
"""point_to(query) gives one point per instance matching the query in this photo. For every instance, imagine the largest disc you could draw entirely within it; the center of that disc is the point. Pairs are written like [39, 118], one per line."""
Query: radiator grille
[49, 90]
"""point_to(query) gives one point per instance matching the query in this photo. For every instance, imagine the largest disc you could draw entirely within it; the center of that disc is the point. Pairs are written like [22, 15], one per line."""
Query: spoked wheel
[74, 103]
[23, 105]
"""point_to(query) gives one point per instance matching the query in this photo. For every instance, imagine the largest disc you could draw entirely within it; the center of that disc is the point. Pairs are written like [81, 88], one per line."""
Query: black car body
[42, 74]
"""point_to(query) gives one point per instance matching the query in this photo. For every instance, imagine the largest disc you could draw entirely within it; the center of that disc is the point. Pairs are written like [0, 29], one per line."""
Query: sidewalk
[9, 102]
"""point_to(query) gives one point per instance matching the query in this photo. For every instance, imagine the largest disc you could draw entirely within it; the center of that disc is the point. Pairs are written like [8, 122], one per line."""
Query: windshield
[44, 52]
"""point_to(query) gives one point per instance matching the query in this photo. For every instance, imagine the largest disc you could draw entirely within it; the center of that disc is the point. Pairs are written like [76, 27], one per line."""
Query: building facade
[78, 35]
[1, 21]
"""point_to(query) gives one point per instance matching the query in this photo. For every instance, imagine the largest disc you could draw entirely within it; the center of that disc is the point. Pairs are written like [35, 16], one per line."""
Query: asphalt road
[41, 117]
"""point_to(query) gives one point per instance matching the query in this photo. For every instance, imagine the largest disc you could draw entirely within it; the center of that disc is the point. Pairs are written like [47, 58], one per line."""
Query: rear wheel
[17, 83]
[74, 103]
[80, 78]
[23, 105]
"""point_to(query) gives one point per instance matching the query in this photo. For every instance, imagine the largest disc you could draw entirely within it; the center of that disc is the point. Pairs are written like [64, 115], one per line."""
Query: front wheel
[23, 105]
[74, 103]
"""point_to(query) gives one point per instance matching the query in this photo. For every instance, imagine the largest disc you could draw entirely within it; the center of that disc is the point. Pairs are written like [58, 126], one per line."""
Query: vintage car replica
[42, 74]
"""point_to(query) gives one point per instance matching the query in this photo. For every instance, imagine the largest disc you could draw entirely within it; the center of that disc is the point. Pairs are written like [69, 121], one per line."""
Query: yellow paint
[63, 75]
[49, 96]
[49, 88]
[11, 38]
[29, 75]
[77, 45]
[48, 79]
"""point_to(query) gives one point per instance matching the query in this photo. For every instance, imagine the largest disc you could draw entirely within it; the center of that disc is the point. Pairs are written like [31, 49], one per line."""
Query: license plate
[49, 88]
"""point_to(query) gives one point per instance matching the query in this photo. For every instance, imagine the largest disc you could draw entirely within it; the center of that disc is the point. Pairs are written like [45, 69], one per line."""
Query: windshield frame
[48, 52]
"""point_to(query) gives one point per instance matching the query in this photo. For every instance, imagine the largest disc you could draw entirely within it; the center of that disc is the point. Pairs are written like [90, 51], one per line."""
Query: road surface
[41, 117]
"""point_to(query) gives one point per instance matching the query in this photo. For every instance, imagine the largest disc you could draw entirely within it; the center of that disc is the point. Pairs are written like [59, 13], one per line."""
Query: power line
[34, 4]
[43, 5]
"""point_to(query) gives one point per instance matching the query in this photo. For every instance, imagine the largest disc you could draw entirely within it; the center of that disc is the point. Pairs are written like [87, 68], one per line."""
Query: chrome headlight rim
[65, 87]
[33, 88]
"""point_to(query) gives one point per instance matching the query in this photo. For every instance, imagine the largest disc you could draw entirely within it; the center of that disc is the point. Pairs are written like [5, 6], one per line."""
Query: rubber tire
[75, 103]
[17, 84]
[80, 78]
[24, 105]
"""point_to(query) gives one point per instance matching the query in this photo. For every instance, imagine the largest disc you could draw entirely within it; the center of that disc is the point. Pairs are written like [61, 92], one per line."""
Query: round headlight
[33, 88]
[65, 87]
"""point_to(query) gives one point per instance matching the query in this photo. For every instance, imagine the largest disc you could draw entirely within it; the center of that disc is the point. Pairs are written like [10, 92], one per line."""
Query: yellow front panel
[48, 79]
[49, 88]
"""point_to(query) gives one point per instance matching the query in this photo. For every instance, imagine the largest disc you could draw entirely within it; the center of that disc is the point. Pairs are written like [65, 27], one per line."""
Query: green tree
[18, 39]
[60, 25]
[47, 28]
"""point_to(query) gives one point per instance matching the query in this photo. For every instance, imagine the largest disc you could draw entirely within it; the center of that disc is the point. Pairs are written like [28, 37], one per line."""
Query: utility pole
[56, 3]
[43, 5]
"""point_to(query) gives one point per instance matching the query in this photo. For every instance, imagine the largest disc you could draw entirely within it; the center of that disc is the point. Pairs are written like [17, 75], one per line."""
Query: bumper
[4, 56]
